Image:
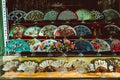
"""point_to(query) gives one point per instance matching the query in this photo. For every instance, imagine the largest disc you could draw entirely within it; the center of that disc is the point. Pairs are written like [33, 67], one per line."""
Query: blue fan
[83, 46]
[82, 30]
[17, 46]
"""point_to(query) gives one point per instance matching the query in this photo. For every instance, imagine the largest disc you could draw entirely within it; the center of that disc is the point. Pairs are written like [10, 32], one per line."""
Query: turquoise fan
[51, 15]
[83, 45]
[67, 15]
[82, 30]
[34, 15]
[84, 14]
[17, 46]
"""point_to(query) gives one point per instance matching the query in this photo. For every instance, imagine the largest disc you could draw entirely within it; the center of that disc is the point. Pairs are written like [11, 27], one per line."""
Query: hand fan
[82, 30]
[97, 15]
[47, 30]
[16, 15]
[67, 15]
[32, 31]
[83, 46]
[111, 14]
[34, 15]
[51, 15]
[83, 14]
[100, 45]
[17, 31]
[64, 31]
[18, 45]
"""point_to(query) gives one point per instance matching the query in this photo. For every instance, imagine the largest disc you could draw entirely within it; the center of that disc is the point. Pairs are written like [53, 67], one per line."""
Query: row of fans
[65, 45]
[53, 65]
[18, 31]
[81, 14]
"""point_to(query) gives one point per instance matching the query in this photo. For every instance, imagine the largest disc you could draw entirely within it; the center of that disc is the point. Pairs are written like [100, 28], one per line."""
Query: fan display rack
[56, 31]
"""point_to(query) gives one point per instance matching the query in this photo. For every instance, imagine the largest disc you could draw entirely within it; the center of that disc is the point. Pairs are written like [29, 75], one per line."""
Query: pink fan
[115, 45]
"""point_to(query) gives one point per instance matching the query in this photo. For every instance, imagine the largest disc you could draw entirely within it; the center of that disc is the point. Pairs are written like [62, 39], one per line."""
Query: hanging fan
[28, 66]
[34, 15]
[67, 15]
[100, 45]
[47, 30]
[34, 45]
[111, 14]
[16, 15]
[45, 66]
[18, 45]
[115, 45]
[51, 15]
[10, 66]
[82, 30]
[32, 31]
[97, 15]
[48, 45]
[17, 31]
[64, 30]
[83, 46]
[84, 14]
[112, 29]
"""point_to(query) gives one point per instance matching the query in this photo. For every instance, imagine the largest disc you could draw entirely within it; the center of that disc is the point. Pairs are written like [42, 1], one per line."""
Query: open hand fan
[32, 31]
[111, 14]
[18, 45]
[100, 45]
[45, 66]
[82, 30]
[17, 31]
[16, 15]
[34, 15]
[67, 15]
[83, 14]
[47, 30]
[51, 15]
[48, 45]
[97, 15]
[83, 46]
[34, 45]
[64, 31]
[115, 45]
[10, 66]
[28, 66]
[112, 30]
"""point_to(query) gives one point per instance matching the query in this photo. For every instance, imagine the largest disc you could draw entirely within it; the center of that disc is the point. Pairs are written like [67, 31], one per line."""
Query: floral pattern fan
[115, 45]
[48, 45]
[17, 31]
[83, 14]
[64, 31]
[47, 30]
[111, 14]
[67, 15]
[100, 45]
[51, 15]
[83, 45]
[16, 15]
[18, 45]
[32, 31]
[34, 45]
[34, 15]
[82, 30]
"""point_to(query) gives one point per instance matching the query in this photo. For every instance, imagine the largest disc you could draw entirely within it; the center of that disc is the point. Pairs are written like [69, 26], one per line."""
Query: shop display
[61, 39]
